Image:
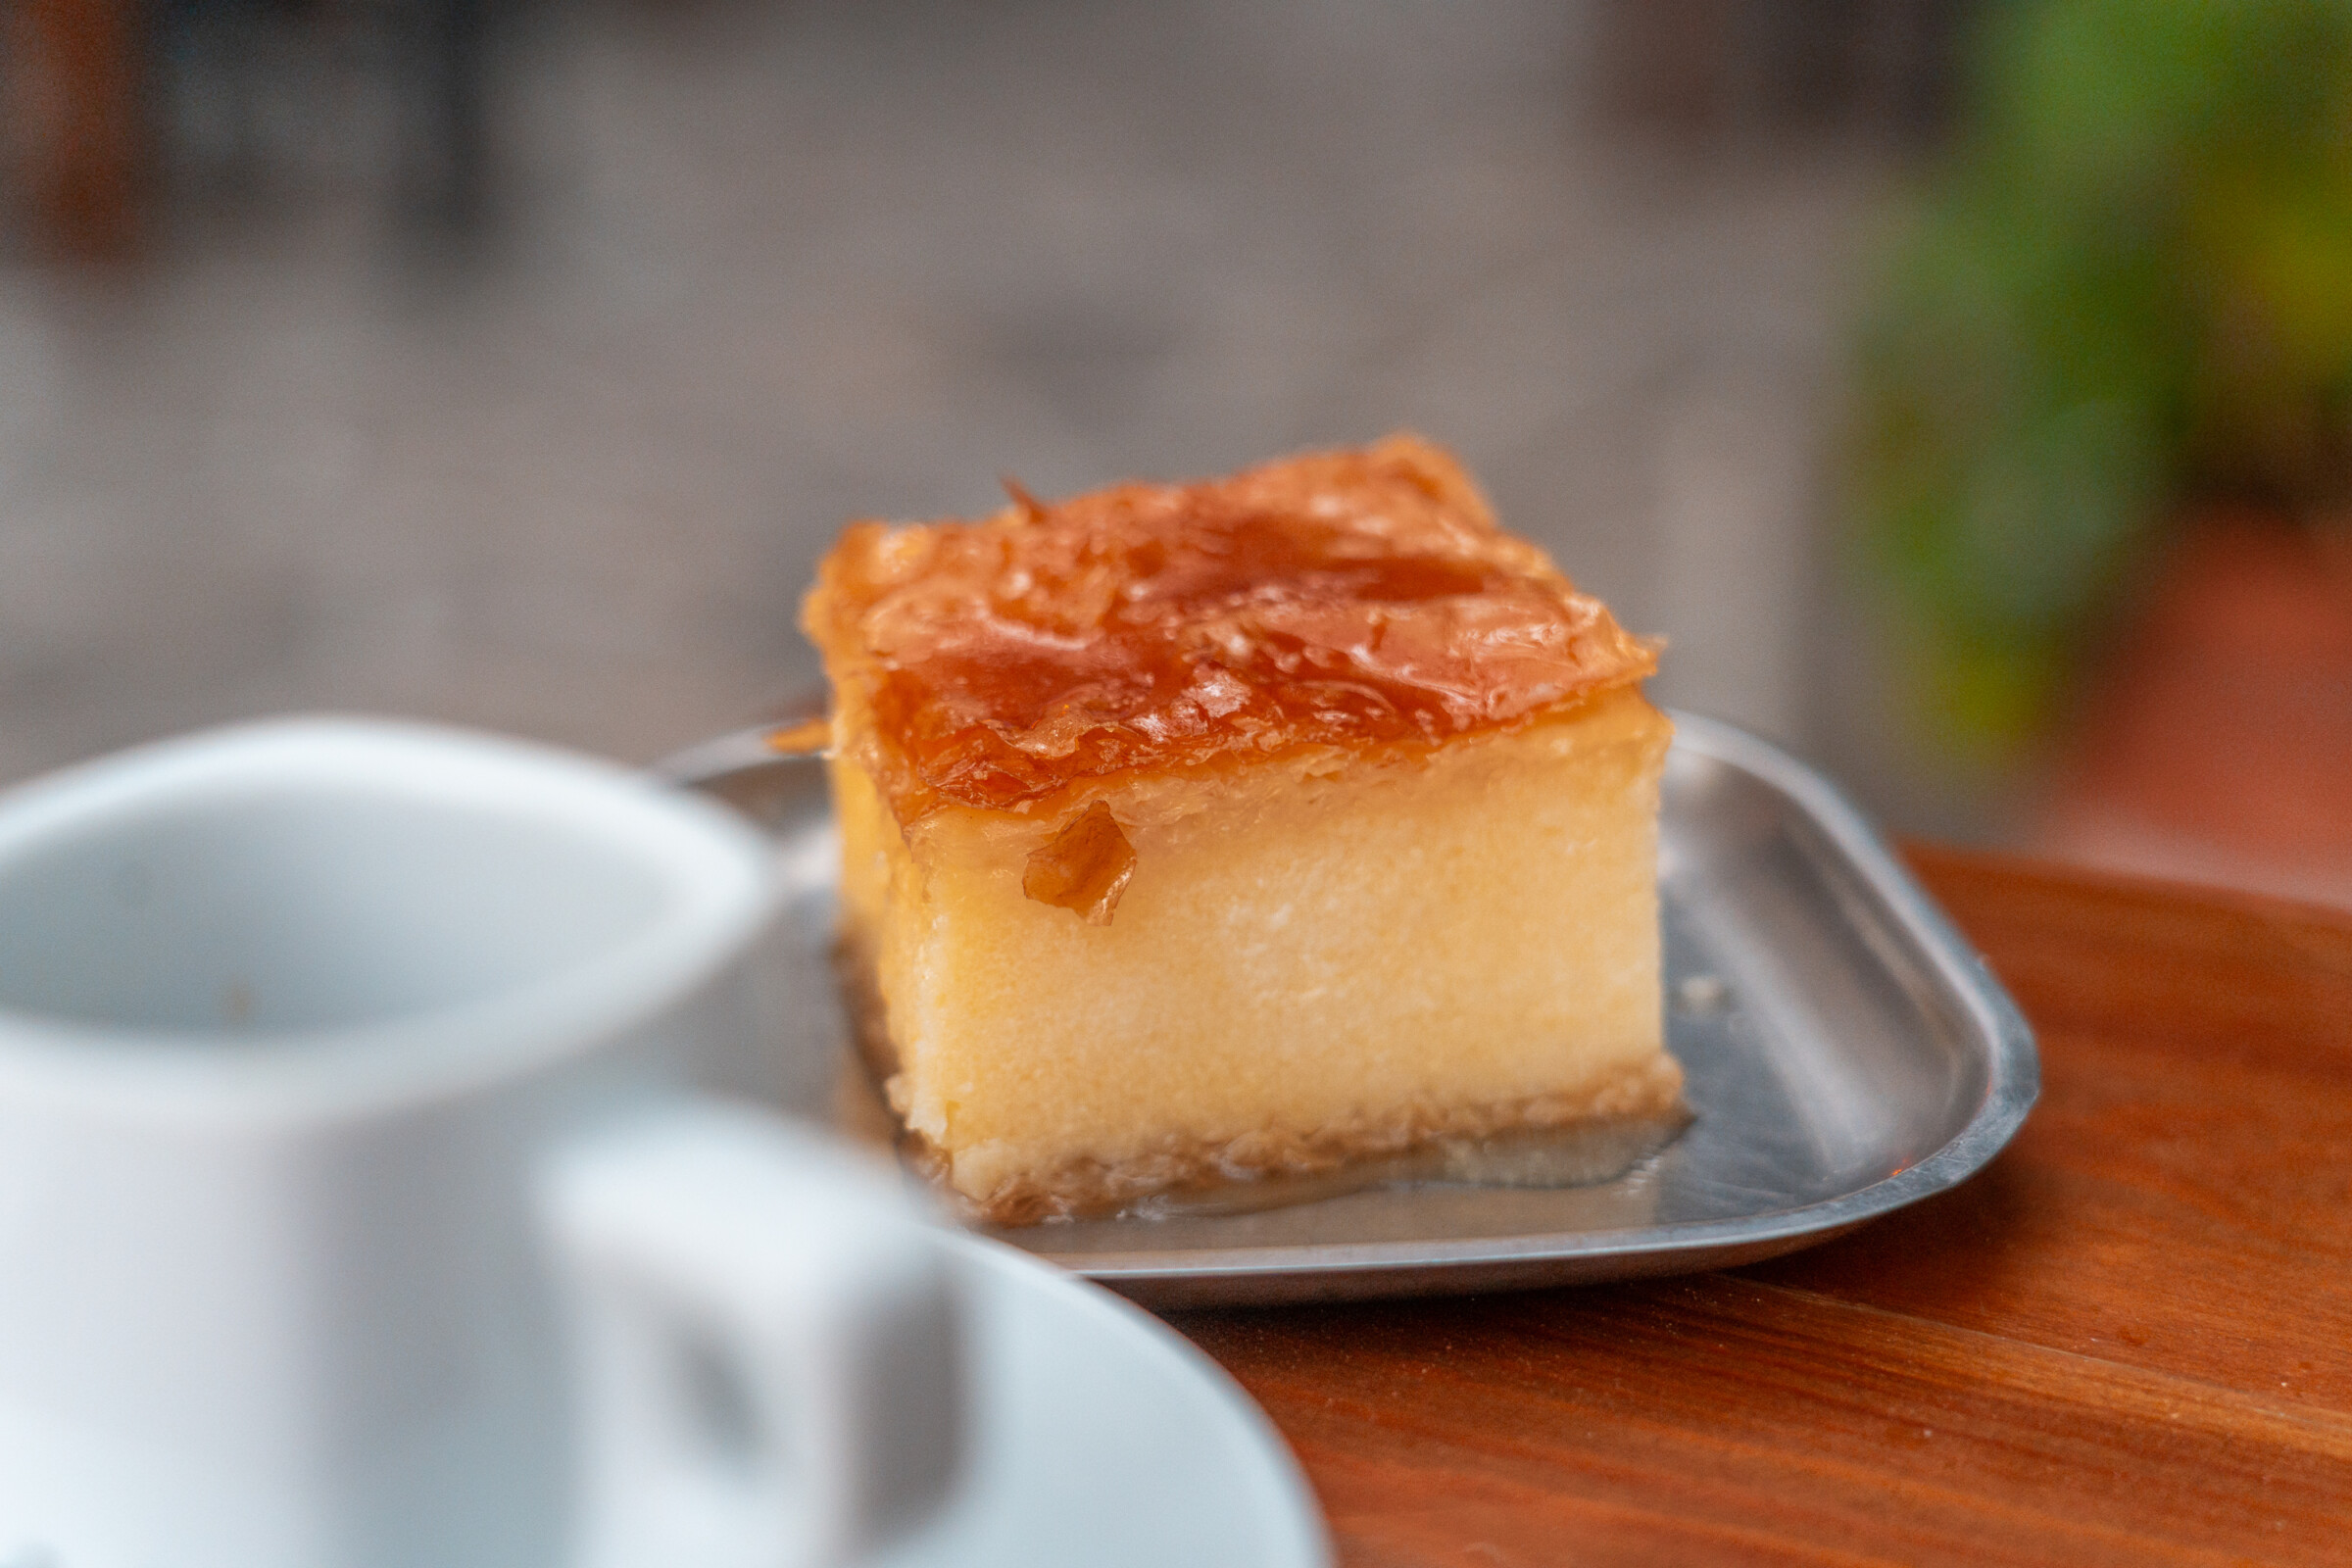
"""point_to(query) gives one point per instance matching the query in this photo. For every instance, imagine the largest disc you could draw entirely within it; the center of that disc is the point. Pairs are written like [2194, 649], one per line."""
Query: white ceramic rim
[1278, 1498]
[719, 889]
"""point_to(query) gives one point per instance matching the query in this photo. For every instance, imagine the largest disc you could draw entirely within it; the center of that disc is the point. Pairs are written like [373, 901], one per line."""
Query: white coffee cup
[363, 1196]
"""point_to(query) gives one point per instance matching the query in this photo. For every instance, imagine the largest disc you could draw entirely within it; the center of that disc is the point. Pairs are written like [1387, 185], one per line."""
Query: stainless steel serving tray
[1847, 1054]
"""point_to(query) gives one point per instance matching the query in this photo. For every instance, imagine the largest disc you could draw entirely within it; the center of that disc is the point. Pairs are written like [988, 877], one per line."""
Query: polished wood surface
[2128, 1341]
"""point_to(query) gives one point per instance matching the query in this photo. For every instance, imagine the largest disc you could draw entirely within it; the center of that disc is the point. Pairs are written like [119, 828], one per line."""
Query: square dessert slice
[1201, 833]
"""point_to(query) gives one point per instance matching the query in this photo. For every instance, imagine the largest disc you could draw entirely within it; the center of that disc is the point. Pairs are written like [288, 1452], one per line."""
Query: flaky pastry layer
[1357, 600]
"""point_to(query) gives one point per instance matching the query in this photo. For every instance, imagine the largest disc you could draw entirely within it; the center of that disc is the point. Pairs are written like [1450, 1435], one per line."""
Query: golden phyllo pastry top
[1364, 601]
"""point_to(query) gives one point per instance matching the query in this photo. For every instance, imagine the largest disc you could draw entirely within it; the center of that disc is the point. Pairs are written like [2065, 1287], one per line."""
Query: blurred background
[1964, 388]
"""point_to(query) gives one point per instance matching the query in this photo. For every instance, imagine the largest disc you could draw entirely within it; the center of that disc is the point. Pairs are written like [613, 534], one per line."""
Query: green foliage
[2131, 282]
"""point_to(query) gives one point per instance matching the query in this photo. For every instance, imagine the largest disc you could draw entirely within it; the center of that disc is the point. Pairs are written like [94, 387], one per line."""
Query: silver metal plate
[1847, 1054]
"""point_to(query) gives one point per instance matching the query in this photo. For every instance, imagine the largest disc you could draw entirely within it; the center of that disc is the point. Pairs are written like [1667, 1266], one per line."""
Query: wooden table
[2128, 1341]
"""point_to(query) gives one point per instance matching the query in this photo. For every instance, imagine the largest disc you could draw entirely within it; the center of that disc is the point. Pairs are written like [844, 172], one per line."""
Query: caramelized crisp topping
[1364, 600]
[1084, 867]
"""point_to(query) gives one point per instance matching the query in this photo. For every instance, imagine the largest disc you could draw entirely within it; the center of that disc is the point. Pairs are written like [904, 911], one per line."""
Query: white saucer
[1103, 1438]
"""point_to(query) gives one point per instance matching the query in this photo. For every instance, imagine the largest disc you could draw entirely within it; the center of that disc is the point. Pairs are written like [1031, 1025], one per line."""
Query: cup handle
[765, 1347]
